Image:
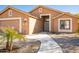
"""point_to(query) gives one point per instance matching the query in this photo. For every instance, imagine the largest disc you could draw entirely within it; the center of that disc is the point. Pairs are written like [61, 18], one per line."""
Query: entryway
[46, 22]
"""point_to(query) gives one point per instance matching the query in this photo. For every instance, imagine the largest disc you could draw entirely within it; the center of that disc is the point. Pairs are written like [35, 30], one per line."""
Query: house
[39, 19]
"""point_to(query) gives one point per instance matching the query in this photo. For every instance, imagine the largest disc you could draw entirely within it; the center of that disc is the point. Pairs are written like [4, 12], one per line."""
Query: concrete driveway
[48, 45]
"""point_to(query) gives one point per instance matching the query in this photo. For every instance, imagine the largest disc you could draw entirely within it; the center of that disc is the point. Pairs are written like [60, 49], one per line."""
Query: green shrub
[10, 34]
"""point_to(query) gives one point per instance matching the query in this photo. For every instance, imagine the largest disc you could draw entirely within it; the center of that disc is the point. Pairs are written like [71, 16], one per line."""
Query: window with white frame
[65, 24]
[10, 13]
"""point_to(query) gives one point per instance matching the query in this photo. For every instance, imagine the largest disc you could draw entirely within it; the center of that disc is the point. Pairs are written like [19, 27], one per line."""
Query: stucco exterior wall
[35, 25]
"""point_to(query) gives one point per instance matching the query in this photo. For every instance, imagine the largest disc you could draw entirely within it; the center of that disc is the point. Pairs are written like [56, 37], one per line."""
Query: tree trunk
[7, 45]
[11, 44]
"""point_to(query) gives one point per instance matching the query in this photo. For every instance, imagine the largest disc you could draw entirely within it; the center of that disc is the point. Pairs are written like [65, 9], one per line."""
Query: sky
[66, 8]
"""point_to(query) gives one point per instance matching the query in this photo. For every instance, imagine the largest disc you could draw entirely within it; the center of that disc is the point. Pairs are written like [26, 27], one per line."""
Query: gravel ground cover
[68, 42]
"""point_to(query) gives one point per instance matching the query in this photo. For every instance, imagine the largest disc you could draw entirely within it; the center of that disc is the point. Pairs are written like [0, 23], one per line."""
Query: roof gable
[61, 12]
[23, 12]
[46, 8]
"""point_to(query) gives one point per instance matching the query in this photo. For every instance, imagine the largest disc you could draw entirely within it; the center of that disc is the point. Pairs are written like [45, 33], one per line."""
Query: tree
[10, 34]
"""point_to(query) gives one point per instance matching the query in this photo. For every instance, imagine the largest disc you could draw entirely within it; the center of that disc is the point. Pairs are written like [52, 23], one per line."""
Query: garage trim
[14, 18]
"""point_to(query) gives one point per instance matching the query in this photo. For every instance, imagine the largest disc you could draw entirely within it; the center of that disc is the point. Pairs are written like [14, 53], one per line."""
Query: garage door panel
[9, 23]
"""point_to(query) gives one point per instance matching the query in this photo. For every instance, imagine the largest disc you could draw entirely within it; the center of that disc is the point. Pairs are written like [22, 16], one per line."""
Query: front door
[46, 24]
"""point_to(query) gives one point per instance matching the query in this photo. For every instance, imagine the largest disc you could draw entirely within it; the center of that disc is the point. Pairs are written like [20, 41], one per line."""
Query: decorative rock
[32, 46]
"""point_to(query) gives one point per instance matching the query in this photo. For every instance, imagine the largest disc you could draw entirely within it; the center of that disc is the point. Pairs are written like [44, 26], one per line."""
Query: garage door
[10, 23]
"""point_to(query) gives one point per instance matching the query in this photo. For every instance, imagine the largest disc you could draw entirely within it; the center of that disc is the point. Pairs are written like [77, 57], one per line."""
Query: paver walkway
[48, 45]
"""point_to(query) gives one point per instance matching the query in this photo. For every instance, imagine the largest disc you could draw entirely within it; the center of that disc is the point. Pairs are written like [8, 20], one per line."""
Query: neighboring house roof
[18, 11]
[61, 12]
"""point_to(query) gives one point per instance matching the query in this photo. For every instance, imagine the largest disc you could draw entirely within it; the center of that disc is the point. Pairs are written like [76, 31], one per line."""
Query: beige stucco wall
[32, 23]
[35, 25]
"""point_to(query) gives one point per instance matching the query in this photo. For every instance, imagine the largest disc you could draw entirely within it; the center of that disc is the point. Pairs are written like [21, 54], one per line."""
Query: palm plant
[10, 34]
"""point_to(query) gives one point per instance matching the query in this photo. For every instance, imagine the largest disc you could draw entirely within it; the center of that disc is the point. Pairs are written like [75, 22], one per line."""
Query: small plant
[10, 34]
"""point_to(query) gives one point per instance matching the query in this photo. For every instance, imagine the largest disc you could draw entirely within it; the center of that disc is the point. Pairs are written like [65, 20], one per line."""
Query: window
[65, 24]
[10, 13]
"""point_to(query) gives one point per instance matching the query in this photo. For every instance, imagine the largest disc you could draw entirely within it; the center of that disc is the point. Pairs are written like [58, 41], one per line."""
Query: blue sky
[65, 8]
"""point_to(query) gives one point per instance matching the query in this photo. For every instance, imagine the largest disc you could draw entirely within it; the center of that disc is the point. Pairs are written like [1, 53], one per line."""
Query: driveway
[48, 45]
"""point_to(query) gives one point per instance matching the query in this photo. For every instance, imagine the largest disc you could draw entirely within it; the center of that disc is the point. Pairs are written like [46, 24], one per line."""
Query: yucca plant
[10, 35]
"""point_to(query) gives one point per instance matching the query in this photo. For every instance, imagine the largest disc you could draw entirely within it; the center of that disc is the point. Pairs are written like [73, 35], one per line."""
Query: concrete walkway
[48, 45]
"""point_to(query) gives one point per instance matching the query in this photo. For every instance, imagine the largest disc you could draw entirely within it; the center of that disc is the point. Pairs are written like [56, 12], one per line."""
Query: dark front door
[46, 26]
[45, 19]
